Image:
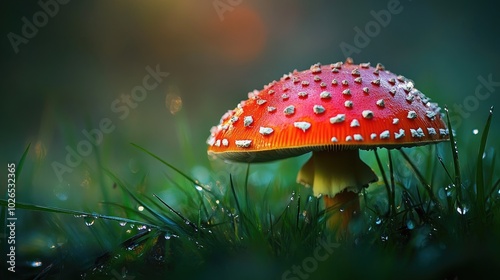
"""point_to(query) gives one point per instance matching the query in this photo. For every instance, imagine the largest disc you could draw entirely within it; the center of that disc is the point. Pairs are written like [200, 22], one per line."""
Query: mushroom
[332, 111]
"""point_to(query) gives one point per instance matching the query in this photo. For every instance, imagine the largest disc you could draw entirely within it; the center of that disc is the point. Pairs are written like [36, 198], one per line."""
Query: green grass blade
[386, 182]
[392, 200]
[131, 211]
[456, 161]
[421, 178]
[195, 182]
[33, 207]
[19, 166]
[152, 211]
[186, 220]
[480, 199]
[493, 189]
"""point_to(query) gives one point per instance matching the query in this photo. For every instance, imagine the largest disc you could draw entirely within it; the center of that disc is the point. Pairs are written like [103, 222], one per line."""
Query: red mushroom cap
[328, 107]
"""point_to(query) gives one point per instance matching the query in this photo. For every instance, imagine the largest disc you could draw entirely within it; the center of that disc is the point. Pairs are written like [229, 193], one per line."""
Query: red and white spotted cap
[328, 107]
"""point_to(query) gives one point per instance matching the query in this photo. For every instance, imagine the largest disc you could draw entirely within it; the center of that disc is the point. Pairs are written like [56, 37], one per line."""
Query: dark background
[65, 78]
[91, 52]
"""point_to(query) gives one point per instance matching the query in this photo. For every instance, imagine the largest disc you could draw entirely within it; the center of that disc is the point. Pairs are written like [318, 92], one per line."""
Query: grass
[427, 218]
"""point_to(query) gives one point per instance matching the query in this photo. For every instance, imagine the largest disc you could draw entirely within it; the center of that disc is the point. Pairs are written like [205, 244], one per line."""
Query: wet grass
[432, 215]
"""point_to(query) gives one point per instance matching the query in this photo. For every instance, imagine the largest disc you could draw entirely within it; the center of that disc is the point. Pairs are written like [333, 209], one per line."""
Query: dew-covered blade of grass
[480, 199]
[155, 213]
[456, 161]
[195, 182]
[33, 207]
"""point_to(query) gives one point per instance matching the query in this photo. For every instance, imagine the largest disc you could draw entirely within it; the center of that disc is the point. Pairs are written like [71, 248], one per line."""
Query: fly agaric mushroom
[332, 111]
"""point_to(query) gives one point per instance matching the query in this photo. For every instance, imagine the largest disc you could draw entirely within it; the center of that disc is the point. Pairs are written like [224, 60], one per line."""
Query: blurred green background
[88, 54]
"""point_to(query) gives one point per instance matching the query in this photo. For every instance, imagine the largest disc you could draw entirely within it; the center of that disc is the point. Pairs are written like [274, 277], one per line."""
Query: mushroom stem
[339, 176]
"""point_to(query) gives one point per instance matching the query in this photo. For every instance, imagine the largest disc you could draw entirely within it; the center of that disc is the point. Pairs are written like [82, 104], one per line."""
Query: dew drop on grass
[442, 193]
[168, 235]
[378, 221]
[463, 210]
[384, 238]
[410, 224]
[132, 247]
[89, 221]
[199, 188]
[122, 224]
[475, 131]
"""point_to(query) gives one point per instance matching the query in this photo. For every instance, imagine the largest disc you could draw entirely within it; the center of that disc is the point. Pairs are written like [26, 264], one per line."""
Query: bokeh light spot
[173, 102]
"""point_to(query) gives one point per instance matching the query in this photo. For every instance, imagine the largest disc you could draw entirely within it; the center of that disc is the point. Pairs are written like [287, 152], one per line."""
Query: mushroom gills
[331, 172]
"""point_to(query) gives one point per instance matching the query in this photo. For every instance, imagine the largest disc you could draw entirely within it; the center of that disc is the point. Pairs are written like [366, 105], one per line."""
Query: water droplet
[217, 201]
[463, 210]
[378, 221]
[35, 263]
[341, 209]
[140, 208]
[168, 235]
[89, 221]
[142, 227]
[442, 193]
[449, 189]
[384, 238]
[410, 224]
[61, 191]
[123, 224]
[132, 247]
[475, 131]
[199, 188]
